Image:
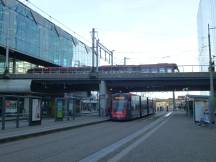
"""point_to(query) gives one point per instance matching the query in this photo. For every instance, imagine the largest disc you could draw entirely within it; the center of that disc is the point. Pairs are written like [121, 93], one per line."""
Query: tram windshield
[119, 105]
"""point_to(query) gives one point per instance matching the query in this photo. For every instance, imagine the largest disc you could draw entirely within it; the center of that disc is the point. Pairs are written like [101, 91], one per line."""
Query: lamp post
[211, 107]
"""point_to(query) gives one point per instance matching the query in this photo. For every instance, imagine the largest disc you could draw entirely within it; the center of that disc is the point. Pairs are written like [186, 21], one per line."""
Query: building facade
[29, 34]
[206, 15]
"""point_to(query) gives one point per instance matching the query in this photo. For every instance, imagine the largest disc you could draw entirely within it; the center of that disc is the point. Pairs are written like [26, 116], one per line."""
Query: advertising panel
[201, 111]
[10, 106]
[59, 108]
[36, 110]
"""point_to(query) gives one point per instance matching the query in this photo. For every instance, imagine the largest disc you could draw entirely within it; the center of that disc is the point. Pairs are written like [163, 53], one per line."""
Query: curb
[45, 132]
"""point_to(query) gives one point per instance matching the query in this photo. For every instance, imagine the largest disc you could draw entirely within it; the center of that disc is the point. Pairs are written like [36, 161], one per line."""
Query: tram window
[119, 105]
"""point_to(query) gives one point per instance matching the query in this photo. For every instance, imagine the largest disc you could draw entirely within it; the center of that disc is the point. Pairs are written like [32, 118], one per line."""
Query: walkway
[177, 140]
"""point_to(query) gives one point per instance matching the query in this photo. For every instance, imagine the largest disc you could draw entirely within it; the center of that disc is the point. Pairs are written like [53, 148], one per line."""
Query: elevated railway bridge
[115, 81]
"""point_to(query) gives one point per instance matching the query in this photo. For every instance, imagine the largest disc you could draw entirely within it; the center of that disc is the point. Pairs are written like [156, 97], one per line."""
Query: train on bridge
[127, 106]
[144, 68]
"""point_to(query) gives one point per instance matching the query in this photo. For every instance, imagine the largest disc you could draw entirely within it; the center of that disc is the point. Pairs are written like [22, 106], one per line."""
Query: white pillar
[174, 101]
[103, 98]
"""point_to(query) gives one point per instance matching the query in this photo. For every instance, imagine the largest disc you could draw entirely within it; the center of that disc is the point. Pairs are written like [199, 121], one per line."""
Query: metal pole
[3, 113]
[125, 60]
[97, 54]
[147, 106]
[7, 47]
[211, 107]
[112, 58]
[7, 60]
[93, 48]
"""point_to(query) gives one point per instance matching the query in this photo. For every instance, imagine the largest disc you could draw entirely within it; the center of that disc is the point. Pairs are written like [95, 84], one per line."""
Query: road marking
[168, 114]
[113, 147]
[135, 144]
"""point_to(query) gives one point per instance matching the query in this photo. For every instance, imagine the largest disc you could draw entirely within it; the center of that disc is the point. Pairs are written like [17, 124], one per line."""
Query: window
[162, 70]
[169, 70]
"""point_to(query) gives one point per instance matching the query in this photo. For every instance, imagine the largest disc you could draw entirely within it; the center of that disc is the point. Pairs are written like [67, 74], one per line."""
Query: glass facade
[25, 31]
[206, 15]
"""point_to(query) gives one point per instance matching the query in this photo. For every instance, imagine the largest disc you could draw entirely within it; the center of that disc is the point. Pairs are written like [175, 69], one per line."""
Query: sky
[144, 31]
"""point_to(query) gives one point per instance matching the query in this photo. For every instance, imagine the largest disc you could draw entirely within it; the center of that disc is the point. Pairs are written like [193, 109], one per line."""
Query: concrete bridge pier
[174, 101]
[102, 98]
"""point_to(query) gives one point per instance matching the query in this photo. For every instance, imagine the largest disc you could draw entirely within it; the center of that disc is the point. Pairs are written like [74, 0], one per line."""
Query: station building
[206, 15]
[33, 40]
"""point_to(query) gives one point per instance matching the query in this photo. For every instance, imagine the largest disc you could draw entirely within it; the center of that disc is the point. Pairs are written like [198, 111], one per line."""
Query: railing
[182, 68]
[193, 68]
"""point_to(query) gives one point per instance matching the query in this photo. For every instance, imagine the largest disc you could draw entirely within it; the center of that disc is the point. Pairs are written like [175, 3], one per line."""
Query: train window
[169, 70]
[176, 70]
[145, 70]
[162, 70]
[130, 69]
[136, 68]
[154, 70]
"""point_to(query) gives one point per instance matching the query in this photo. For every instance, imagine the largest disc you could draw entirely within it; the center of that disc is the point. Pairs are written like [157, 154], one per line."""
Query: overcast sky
[145, 31]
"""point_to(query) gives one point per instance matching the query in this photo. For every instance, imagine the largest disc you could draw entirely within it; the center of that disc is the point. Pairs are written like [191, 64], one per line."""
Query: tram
[127, 106]
[144, 68]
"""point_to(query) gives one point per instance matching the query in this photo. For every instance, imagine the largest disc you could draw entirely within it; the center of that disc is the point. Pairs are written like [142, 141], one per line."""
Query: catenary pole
[93, 48]
[211, 107]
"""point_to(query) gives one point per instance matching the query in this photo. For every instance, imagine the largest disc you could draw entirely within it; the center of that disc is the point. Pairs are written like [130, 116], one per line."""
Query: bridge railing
[182, 68]
[193, 68]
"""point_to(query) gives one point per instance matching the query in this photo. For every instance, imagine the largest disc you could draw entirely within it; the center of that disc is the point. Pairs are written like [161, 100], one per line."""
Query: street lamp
[211, 107]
